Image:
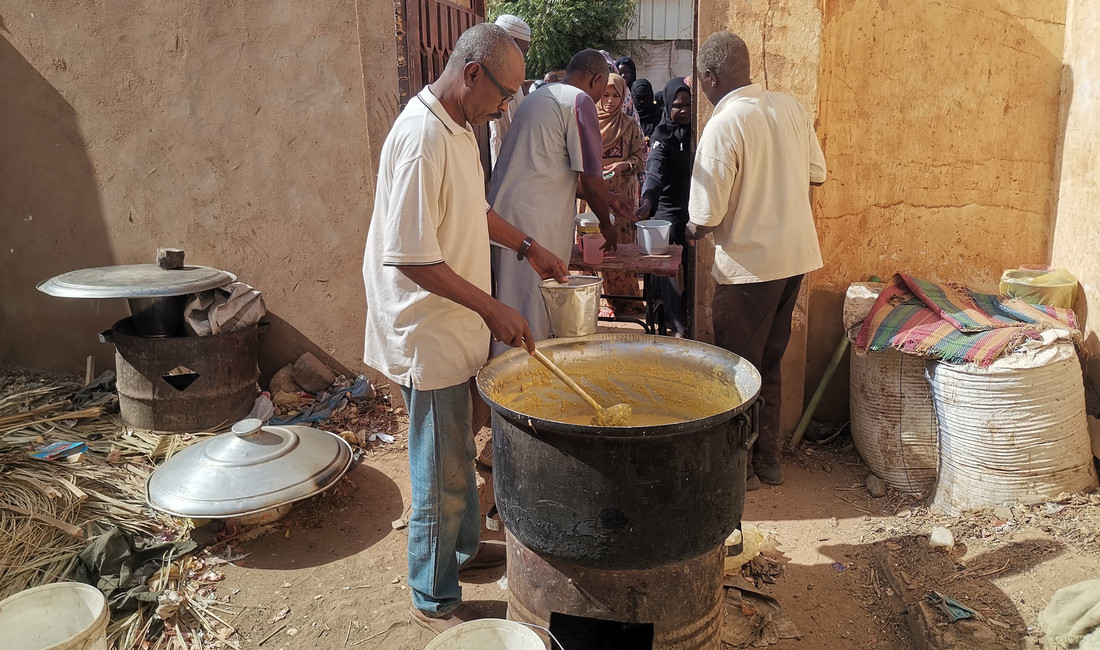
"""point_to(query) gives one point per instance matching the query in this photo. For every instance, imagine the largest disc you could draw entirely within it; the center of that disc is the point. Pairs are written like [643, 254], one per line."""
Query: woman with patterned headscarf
[624, 154]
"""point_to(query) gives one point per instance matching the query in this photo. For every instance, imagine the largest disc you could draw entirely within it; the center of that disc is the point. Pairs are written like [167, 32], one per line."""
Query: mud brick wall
[245, 133]
[940, 124]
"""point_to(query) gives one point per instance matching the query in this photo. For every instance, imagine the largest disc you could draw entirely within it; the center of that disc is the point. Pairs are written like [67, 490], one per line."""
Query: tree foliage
[561, 28]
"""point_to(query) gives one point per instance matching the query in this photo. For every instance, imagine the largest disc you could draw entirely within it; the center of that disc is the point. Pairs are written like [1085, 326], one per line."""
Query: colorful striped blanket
[953, 323]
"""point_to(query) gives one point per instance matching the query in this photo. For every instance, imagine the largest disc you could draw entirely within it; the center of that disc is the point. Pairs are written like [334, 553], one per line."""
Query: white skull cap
[515, 27]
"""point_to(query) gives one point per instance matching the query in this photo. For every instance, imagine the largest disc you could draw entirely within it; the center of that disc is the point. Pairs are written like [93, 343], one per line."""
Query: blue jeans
[445, 524]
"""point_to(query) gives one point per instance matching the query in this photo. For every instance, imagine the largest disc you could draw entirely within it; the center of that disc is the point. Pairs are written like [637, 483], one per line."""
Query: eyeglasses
[506, 94]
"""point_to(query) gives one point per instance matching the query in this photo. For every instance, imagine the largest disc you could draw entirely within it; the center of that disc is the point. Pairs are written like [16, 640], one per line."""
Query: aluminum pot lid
[247, 470]
[135, 281]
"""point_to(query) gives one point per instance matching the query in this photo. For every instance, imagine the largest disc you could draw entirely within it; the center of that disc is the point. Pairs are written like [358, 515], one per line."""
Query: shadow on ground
[330, 529]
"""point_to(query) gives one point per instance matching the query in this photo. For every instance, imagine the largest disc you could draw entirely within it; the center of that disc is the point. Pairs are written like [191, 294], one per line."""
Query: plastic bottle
[587, 224]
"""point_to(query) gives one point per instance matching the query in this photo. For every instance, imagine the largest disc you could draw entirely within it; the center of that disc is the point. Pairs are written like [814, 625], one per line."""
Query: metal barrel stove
[184, 383]
[622, 525]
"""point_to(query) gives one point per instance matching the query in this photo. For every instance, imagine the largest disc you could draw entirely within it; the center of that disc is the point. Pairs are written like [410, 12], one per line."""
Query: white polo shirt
[429, 207]
[756, 159]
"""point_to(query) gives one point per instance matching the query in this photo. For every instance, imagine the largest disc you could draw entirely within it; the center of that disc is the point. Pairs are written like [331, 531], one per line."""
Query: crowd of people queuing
[635, 127]
[452, 274]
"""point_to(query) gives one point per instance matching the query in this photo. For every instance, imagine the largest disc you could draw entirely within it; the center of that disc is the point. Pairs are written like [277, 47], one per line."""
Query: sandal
[439, 624]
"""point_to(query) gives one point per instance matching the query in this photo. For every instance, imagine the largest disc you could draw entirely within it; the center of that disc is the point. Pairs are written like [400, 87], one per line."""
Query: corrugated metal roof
[662, 20]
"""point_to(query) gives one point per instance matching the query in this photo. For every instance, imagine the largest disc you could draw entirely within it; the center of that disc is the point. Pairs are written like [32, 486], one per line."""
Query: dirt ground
[332, 574]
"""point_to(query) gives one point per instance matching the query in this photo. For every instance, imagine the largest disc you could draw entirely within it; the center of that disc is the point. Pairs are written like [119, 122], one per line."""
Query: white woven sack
[893, 419]
[1012, 430]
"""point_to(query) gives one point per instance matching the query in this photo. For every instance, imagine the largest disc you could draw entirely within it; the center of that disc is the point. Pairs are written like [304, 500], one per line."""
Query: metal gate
[426, 34]
[427, 31]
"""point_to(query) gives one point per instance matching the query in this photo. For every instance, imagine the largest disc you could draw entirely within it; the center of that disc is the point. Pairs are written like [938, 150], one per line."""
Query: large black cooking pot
[622, 497]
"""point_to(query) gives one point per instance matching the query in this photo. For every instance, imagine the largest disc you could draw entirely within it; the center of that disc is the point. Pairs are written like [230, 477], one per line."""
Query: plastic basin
[488, 634]
[61, 616]
[653, 236]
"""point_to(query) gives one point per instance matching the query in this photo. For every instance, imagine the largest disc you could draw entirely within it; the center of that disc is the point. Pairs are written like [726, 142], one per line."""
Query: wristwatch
[522, 251]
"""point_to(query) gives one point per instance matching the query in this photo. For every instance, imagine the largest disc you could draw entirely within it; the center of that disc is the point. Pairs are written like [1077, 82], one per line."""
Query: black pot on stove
[623, 497]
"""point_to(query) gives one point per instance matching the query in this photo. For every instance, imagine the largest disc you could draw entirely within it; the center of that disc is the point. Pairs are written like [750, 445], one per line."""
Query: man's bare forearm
[440, 279]
[545, 263]
[503, 232]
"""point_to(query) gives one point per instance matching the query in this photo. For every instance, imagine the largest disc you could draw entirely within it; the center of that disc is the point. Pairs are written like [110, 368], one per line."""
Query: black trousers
[753, 321]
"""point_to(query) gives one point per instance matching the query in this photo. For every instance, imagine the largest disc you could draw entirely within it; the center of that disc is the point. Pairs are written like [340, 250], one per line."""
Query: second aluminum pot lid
[135, 281]
[247, 470]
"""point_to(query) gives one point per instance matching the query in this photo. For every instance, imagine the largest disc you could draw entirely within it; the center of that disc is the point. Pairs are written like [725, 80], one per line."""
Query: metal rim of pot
[591, 431]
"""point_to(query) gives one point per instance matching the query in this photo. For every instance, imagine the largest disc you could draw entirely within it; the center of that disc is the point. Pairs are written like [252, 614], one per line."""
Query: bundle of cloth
[950, 322]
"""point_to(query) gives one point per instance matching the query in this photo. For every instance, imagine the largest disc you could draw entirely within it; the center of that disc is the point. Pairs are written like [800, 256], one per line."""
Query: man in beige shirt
[756, 160]
[430, 315]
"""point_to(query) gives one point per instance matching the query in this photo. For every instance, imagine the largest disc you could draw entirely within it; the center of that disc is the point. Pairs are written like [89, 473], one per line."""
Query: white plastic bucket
[61, 616]
[488, 634]
[653, 236]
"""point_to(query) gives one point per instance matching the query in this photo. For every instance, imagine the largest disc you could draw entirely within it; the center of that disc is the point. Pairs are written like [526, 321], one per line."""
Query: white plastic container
[488, 634]
[60, 616]
[653, 236]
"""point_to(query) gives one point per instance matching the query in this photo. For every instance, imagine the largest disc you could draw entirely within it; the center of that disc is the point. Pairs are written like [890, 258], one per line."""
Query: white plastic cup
[58, 616]
[590, 248]
[653, 236]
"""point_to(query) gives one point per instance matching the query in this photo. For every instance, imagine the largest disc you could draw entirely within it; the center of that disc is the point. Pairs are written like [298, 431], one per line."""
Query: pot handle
[107, 336]
[748, 424]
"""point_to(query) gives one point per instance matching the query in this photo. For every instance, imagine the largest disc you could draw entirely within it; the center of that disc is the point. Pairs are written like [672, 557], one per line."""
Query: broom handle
[800, 430]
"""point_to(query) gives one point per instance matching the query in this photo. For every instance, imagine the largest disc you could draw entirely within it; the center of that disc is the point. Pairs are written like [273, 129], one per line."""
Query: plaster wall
[1076, 233]
[939, 125]
[245, 133]
[784, 41]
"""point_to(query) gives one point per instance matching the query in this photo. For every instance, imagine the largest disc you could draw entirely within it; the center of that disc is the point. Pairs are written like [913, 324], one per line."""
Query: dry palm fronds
[153, 446]
[18, 402]
[187, 614]
[49, 509]
[16, 425]
[32, 551]
[15, 418]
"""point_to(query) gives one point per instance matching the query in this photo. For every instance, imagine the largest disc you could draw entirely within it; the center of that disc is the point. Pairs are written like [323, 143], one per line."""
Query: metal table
[627, 258]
